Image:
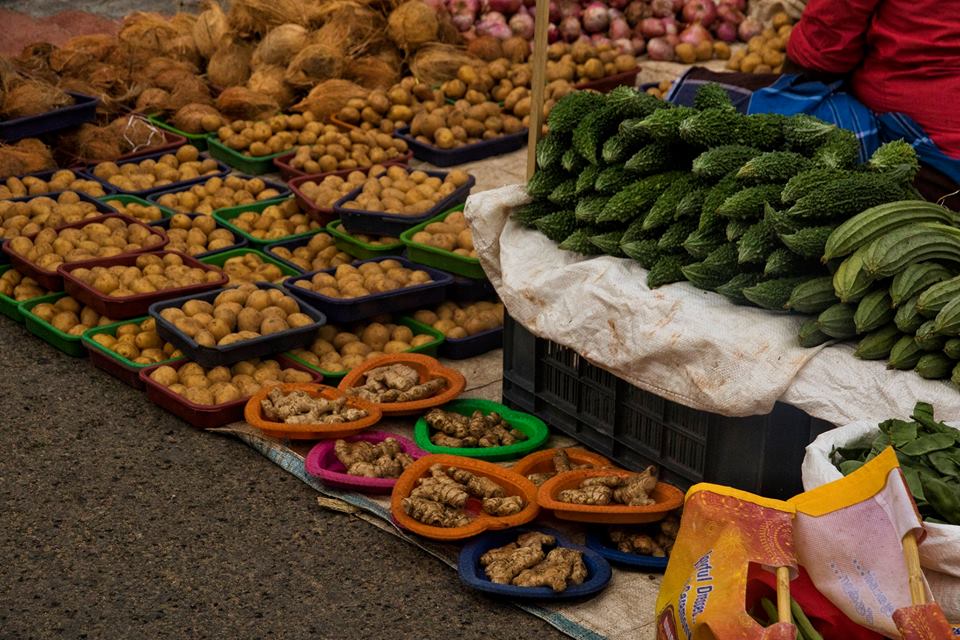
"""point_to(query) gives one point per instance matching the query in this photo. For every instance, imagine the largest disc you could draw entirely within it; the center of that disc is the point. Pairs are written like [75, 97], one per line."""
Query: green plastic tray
[224, 217]
[536, 430]
[115, 364]
[245, 164]
[10, 307]
[438, 258]
[127, 199]
[219, 259]
[429, 349]
[70, 345]
[362, 250]
[199, 140]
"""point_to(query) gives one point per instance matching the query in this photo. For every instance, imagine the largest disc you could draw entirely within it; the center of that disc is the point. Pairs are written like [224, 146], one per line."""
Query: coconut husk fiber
[193, 92]
[210, 27]
[166, 72]
[436, 63]
[79, 52]
[329, 97]
[350, 26]
[257, 17]
[31, 97]
[314, 63]
[230, 64]
[27, 156]
[240, 103]
[152, 101]
[35, 58]
[144, 30]
[372, 72]
[268, 80]
[412, 25]
[90, 142]
[280, 45]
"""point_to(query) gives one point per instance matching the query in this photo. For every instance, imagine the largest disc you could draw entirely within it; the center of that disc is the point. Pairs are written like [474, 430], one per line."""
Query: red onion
[661, 8]
[702, 11]
[637, 11]
[463, 21]
[726, 31]
[619, 29]
[598, 39]
[672, 39]
[595, 18]
[554, 12]
[521, 24]
[553, 34]
[729, 13]
[494, 24]
[639, 45]
[506, 7]
[530, 4]
[570, 8]
[618, 4]
[670, 26]
[739, 5]
[623, 45]
[678, 6]
[570, 29]
[748, 28]
[652, 28]
[695, 34]
[659, 49]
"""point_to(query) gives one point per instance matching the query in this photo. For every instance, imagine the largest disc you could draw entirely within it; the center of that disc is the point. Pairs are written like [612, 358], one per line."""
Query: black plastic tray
[467, 153]
[165, 225]
[355, 309]
[245, 350]
[84, 110]
[463, 348]
[222, 170]
[291, 245]
[390, 224]
[283, 191]
[470, 289]
[108, 190]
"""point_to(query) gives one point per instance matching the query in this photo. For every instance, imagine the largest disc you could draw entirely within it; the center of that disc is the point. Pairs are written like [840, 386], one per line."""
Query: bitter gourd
[904, 355]
[712, 96]
[664, 209]
[748, 203]
[810, 181]
[637, 198]
[656, 157]
[645, 252]
[840, 151]
[589, 208]
[617, 149]
[674, 236]
[812, 296]
[736, 228]
[666, 270]
[732, 289]
[544, 181]
[621, 103]
[608, 243]
[664, 125]
[846, 196]
[571, 109]
[579, 242]
[907, 318]
[810, 334]
[610, 180]
[897, 159]
[927, 338]
[709, 220]
[691, 204]
[717, 162]
[873, 311]
[952, 348]
[557, 226]
[719, 266]
[783, 262]
[700, 243]
[837, 321]
[779, 220]
[586, 180]
[915, 279]
[772, 294]
[773, 166]
[877, 344]
[716, 127]
[635, 232]
[934, 366]
[756, 243]
[550, 149]
[805, 133]
[572, 162]
[564, 194]
[808, 241]
[528, 214]
[703, 276]
[872, 223]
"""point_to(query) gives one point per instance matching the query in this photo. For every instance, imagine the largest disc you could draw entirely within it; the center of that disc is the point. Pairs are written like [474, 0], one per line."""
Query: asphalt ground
[119, 521]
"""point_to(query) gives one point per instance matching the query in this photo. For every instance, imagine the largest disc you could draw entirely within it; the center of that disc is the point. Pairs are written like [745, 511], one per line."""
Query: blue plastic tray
[463, 348]
[467, 153]
[222, 170]
[390, 224]
[165, 224]
[83, 110]
[283, 191]
[596, 542]
[245, 350]
[108, 190]
[472, 574]
[355, 309]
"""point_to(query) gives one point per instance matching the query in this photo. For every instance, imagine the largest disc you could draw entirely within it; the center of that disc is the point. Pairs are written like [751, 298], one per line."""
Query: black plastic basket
[761, 454]
[83, 110]
[467, 153]
[222, 171]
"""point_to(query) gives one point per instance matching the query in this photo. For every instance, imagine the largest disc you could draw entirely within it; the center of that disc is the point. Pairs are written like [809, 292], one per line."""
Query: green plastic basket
[224, 217]
[428, 349]
[199, 140]
[361, 250]
[112, 362]
[537, 432]
[10, 307]
[127, 199]
[438, 258]
[70, 345]
[254, 166]
[219, 259]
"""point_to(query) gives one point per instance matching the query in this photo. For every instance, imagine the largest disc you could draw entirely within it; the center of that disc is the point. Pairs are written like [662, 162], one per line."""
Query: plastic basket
[359, 249]
[282, 191]
[10, 307]
[169, 142]
[391, 224]
[435, 257]
[609, 83]
[123, 369]
[471, 290]
[135, 305]
[165, 225]
[226, 216]
[294, 242]
[222, 170]
[244, 350]
[61, 340]
[289, 172]
[219, 258]
[635, 428]
[124, 198]
[469, 347]
[256, 166]
[467, 153]
[199, 140]
[355, 309]
[83, 110]
[46, 175]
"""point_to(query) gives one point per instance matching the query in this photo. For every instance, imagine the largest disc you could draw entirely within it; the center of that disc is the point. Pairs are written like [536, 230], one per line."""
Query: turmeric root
[561, 567]
[477, 486]
[503, 506]
[449, 493]
[504, 569]
[595, 495]
[433, 513]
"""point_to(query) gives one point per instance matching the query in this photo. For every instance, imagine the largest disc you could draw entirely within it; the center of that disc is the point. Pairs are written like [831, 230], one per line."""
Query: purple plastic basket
[322, 463]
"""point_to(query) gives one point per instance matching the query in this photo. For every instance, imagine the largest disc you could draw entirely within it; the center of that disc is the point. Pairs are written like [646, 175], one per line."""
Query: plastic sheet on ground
[687, 345]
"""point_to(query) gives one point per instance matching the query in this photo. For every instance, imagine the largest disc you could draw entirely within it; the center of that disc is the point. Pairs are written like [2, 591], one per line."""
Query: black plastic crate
[633, 427]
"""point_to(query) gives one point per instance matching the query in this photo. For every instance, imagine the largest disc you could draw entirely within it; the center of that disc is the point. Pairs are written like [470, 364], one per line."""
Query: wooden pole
[783, 595]
[918, 591]
[538, 63]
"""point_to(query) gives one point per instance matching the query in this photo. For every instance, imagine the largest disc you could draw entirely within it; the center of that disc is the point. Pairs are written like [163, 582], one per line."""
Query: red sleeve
[831, 34]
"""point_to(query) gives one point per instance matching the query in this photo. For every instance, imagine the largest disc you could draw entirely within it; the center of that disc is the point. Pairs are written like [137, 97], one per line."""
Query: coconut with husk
[145, 30]
[314, 63]
[328, 97]
[194, 91]
[240, 103]
[412, 25]
[372, 72]
[230, 64]
[27, 156]
[152, 101]
[352, 27]
[268, 80]
[183, 48]
[166, 73]
[31, 97]
[90, 142]
[210, 27]
[257, 17]
[436, 63]
[35, 58]
[280, 45]
[79, 52]
[197, 118]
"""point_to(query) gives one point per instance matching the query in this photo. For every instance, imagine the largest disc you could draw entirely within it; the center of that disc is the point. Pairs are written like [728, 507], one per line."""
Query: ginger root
[633, 490]
[503, 506]
[477, 486]
[450, 488]
[561, 567]
[655, 539]
[385, 459]
[524, 564]
[479, 430]
[299, 407]
[561, 462]
[396, 383]
[504, 569]
[434, 513]
[453, 494]
[597, 494]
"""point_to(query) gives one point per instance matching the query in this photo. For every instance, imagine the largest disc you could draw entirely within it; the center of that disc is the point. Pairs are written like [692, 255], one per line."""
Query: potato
[164, 375]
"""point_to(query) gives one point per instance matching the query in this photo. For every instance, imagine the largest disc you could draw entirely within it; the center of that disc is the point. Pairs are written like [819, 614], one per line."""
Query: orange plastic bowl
[253, 414]
[513, 484]
[542, 461]
[667, 497]
[426, 366]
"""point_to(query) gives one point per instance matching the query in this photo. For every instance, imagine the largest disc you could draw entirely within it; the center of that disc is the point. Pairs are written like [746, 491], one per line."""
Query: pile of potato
[14, 284]
[276, 221]
[221, 385]
[401, 191]
[327, 191]
[113, 236]
[152, 173]
[319, 253]
[660, 91]
[30, 216]
[335, 150]
[452, 235]
[151, 273]
[142, 212]
[139, 343]
[340, 350]
[582, 61]
[236, 315]
[376, 241]
[194, 236]
[509, 82]
[69, 316]
[63, 180]
[389, 110]
[218, 193]
[471, 120]
[458, 322]
[766, 52]
[365, 279]
[249, 268]
[275, 135]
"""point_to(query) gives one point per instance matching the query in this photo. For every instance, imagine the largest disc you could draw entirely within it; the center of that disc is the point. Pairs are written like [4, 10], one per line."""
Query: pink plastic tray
[322, 463]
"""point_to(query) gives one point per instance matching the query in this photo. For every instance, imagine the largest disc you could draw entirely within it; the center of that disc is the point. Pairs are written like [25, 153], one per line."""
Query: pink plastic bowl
[322, 463]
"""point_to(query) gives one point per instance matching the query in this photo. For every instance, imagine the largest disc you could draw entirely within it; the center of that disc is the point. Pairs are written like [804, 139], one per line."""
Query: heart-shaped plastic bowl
[598, 541]
[322, 463]
[667, 498]
[427, 367]
[473, 575]
[513, 485]
[533, 427]
[253, 413]
[542, 461]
